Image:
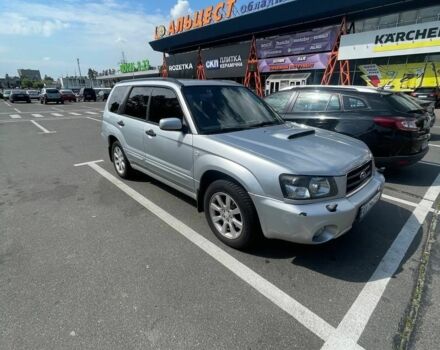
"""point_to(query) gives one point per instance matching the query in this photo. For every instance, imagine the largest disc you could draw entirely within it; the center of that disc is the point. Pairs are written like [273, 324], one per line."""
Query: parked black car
[19, 95]
[395, 129]
[87, 94]
[429, 106]
[428, 93]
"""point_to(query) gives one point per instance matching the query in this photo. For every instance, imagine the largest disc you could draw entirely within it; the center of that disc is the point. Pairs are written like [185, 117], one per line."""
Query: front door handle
[150, 133]
[121, 123]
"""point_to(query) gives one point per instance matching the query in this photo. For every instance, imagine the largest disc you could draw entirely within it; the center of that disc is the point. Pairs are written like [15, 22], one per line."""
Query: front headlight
[307, 187]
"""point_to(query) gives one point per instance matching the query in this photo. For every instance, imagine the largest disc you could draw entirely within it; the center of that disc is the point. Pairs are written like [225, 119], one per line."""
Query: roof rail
[171, 80]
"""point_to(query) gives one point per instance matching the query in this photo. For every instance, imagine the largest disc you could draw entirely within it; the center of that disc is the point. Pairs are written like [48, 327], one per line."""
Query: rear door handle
[150, 133]
[121, 123]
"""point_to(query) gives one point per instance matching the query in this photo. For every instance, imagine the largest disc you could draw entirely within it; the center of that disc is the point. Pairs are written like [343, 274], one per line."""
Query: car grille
[358, 176]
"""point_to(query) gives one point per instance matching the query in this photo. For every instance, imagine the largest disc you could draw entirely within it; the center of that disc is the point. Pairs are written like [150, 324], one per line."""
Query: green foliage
[26, 83]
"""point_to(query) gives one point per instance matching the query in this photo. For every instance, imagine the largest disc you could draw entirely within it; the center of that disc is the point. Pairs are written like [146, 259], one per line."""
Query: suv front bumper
[313, 223]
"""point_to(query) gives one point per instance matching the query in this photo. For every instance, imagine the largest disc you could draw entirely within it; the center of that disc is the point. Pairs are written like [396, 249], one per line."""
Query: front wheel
[231, 214]
[120, 161]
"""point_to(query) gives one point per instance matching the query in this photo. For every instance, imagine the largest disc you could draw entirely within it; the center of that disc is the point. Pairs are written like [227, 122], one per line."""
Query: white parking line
[57, 114]
[45, 131]
[354, 322]
[36, 115]
[7, 104]
[429, 163]
[15, 116]
[302, 314]
[432, 145]
[88, 112]
[58, 109]
[73, 113]
[17, 110]
[97, 120]
[405, 202]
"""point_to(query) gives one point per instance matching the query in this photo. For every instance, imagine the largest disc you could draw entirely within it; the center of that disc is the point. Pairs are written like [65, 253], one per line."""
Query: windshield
[217, 109]
[51, 91]
[15, 92]
[32, 92]
[67, 91]
[402, 103]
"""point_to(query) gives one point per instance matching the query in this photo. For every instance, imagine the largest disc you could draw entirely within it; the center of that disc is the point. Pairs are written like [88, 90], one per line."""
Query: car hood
[298, 149]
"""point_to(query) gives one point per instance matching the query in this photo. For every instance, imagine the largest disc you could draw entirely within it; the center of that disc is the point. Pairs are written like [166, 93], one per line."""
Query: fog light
[324, 234]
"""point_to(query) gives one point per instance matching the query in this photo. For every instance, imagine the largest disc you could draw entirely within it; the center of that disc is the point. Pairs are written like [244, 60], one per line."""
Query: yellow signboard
[401, 77]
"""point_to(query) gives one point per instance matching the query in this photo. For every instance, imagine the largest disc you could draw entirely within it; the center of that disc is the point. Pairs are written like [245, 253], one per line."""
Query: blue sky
[49, 35]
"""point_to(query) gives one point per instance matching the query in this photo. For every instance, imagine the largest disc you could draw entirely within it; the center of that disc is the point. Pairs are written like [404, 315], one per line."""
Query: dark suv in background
[87, 94]
[428, 93]
[395, 128]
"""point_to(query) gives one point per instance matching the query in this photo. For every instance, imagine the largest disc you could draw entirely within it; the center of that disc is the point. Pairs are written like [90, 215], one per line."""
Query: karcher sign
[407, 40]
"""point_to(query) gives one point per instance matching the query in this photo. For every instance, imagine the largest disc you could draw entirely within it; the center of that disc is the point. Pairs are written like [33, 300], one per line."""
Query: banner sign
[226, 61]
[182, 65]
[253, 6]
[139, 66]
[407, 40]
[316, 40]
[401, 77]
[294, 63]
[211, 14]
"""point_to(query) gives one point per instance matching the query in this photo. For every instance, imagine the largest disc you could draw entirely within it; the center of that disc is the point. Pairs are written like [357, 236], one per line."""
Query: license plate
[423, 96]
[367, 206]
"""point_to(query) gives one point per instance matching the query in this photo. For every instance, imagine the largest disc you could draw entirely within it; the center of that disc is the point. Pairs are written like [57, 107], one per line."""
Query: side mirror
[171, 124]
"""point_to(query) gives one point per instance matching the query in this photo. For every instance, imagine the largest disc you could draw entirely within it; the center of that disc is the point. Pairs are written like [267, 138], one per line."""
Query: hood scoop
[301, 134]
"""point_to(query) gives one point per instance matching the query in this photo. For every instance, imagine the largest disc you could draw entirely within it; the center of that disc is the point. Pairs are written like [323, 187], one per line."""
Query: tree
[47, 78]
[38, 85]
[26, 83]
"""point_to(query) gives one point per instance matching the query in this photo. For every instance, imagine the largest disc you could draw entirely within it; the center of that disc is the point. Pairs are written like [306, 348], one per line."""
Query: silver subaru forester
[248, 170]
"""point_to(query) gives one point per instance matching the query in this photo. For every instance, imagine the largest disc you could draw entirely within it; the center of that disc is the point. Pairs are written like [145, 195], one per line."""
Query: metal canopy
[283, 17]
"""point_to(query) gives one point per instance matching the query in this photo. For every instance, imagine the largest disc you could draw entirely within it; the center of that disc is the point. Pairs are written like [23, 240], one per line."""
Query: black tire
[45, 101]
[12, 101]
[251, 229]
[126, 173]
[29, 101]
[62, 102]
[41, 101]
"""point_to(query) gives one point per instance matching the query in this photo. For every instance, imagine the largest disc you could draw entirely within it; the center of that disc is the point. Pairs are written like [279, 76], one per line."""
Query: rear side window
[311, 102]
[164, 104]
[117, 98]
[279, 100]
[353, 103]
[137, 102]
[334, 104]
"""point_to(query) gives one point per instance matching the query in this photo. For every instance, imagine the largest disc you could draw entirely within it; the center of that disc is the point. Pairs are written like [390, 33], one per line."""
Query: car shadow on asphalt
[435, 137]
[419, 174]
[352, 257]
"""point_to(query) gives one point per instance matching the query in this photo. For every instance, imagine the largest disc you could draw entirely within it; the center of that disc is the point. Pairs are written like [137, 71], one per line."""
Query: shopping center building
[389, 43]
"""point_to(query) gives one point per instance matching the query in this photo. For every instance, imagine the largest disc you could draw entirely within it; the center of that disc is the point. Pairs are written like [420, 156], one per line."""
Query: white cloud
[102, 28]
[15, 23]
[181, 8]
[47, 58]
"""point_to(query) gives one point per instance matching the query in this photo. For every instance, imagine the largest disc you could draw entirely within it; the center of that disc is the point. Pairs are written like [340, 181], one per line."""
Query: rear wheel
[231, 214]
[120, 161]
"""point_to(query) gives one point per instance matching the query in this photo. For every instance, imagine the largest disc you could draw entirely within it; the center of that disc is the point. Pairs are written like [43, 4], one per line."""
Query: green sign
[138, 66]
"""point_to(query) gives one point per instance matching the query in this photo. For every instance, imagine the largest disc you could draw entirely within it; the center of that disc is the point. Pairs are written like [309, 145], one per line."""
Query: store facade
[400, 49]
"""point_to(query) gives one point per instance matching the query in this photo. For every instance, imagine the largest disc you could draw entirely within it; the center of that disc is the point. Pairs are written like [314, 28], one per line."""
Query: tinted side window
[311, 102]
[164, 104]
[351, 103]
[137, 102]
[334, 104]
[279, 100]
[117, 98]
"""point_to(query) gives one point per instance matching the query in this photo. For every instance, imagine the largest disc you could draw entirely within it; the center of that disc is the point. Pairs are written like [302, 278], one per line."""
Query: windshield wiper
[258, 125]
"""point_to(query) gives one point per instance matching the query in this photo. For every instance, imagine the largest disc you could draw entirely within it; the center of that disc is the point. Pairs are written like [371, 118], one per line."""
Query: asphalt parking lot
[88, 261]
